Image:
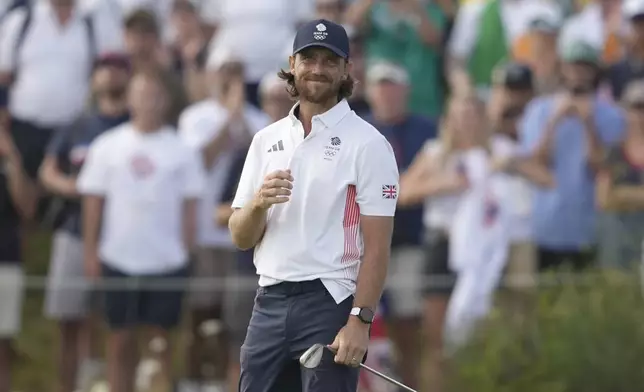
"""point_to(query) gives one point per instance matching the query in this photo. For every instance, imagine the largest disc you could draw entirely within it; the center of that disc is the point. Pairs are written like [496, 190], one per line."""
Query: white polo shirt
[343, 170]
[53, 64]
[145, 179]
[199, 124]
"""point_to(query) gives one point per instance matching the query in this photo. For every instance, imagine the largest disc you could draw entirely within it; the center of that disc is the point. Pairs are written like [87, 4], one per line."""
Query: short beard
[319, 97]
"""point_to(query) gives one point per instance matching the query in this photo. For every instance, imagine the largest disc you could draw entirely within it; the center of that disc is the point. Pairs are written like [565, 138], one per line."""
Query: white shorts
[11, 296]
[68, 292]
[406, 274]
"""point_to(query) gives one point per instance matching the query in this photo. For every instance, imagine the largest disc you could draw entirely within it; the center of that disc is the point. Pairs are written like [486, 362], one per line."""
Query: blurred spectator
[115, 11]
[478, 233]
[18, 199]
[543, 57]
[146, 183]
[485, 33]
[631, 67]
[257, 29]
[567, 131]
[330, 10]
[512, 89]
[387, 91]
[436, 178]
[189, 49]
[600, 24]
[408, 32]
[274, 99]
[357, 101]
[47, 51]
[67, 301]
[221, 127]
[620, 189]
[147, 53]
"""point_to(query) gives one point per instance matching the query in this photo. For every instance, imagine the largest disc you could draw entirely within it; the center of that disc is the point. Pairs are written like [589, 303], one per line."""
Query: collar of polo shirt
[330, 118]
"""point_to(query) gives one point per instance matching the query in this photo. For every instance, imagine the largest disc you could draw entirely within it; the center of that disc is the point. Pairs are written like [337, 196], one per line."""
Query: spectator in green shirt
[410, 33]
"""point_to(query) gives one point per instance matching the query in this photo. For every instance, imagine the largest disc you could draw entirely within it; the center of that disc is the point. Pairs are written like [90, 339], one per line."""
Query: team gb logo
[321, 33]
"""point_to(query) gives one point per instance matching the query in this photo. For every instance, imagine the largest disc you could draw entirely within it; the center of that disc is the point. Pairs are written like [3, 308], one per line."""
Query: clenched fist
[276, 189]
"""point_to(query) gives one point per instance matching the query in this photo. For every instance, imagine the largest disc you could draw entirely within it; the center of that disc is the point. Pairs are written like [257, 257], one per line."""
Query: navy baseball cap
[322, 33]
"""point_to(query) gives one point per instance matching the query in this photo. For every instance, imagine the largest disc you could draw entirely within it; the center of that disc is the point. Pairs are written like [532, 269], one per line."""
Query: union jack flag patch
[389, 191]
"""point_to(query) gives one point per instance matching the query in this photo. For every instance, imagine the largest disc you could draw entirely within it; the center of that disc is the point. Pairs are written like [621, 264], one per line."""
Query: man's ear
[291, 64]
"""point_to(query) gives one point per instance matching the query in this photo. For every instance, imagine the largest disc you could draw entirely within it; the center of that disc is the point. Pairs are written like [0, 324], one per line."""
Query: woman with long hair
[436, 179]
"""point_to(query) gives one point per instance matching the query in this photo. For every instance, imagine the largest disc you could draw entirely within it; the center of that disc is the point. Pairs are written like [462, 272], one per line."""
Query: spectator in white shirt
[258, 29]
[47, 52]
[145, 182]
[221, 128]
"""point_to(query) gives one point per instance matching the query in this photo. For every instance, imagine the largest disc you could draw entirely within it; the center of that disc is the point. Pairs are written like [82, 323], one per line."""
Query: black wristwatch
[365, 315]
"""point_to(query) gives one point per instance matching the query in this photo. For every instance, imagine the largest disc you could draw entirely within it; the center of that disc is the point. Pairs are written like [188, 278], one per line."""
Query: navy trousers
[288, 318]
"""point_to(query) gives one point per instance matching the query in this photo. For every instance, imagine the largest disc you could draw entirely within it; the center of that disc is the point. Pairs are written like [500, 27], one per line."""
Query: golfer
[316, 199]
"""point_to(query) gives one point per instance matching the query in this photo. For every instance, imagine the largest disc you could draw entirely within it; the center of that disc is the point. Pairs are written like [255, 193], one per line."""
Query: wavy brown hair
[346, 87]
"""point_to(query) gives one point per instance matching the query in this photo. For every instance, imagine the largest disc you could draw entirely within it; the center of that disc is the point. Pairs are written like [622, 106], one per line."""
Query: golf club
[312, 357]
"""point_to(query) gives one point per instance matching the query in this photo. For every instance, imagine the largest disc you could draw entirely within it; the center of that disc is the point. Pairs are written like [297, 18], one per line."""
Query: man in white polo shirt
[316, 199]
[145, 183]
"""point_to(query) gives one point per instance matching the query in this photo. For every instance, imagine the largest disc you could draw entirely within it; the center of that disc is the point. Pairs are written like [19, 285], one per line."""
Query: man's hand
[276, 189]
[350, 345]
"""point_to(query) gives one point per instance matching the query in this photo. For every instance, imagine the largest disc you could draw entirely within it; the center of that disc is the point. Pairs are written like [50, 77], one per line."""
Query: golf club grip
[377, 373]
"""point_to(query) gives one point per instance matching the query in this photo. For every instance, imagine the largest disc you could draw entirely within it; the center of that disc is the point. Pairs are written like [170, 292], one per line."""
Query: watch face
[366, 315]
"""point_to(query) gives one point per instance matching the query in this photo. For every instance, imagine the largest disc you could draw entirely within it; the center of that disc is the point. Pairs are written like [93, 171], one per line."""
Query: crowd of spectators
[517, 125]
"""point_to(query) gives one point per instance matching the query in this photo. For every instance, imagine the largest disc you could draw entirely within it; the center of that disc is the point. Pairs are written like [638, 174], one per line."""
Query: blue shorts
[288, 318]
[142, 300]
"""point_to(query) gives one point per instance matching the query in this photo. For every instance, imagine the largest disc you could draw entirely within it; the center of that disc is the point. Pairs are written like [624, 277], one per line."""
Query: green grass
[34, 370]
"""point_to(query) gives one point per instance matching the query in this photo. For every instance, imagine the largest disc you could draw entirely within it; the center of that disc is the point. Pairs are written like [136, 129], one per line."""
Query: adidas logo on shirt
[277, 147]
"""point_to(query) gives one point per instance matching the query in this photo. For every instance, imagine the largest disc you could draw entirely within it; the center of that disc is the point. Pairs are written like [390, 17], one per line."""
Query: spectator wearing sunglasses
[620, 188]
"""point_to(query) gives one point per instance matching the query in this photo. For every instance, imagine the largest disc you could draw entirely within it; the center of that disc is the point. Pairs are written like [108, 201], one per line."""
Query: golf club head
[312, 357]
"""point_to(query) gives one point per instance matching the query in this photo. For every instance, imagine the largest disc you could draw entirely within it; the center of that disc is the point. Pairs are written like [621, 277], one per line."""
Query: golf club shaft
[387, 378]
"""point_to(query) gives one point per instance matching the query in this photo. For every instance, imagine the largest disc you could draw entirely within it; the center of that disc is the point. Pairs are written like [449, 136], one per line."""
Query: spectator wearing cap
[541, 50]
[257, 31]
[608, 33]
[140, 185]
[387, 92]
[67, 300]
[512, 90]
[189, 48]
[568, 131]
[631, 67]
[410, 33]
[146, 52]
[620, 189]
[221, 128]
[486, 33]
[47, 51]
